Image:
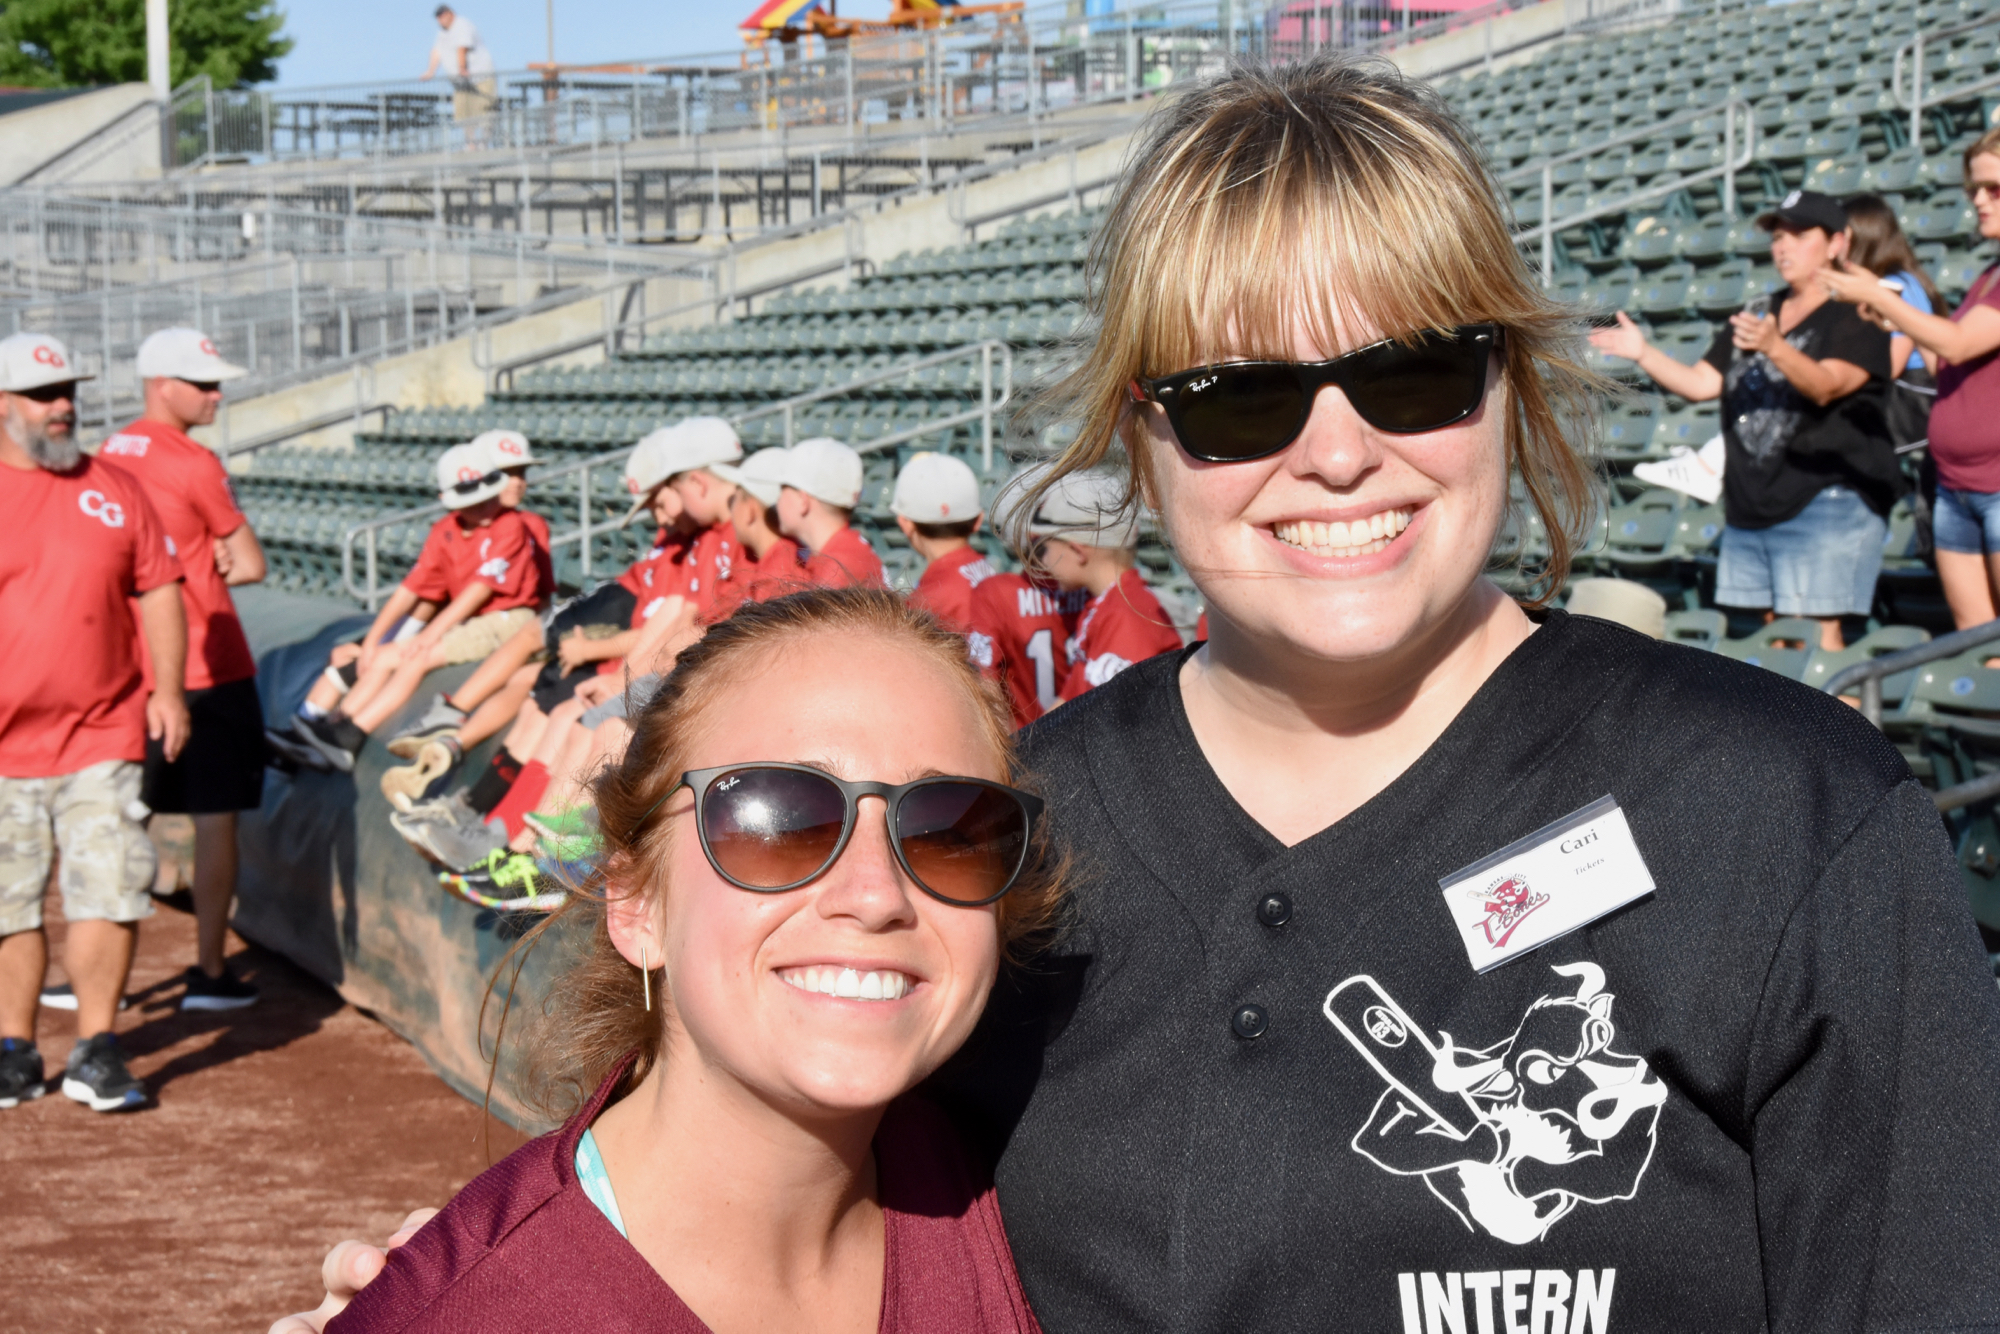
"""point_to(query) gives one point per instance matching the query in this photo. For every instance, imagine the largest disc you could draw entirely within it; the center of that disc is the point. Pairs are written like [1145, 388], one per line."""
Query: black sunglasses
[471, 484]
[49, 393]
[774, 827]
[1244, 410]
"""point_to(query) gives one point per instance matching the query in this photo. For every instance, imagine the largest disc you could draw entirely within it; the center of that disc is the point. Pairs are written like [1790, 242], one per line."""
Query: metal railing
[1737, 119]
[1916, 101]
[1869, 676]
[367, 534]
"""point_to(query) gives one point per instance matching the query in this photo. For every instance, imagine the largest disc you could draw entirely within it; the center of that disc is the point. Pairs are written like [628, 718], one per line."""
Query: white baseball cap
[502, 449]
[31, 360]
[700, 442]
[760, 474]
[936, 488]
[1086, 507]
[824, 469]
[464, 479]
[185, 354]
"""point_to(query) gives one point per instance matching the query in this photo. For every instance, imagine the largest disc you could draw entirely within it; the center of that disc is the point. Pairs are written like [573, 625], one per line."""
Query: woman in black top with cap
[1440, 963]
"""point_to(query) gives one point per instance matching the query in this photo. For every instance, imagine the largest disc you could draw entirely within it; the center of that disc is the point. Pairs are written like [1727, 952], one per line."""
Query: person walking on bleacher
[221, 771]
[79, 542]
[1810, 472]
[476, 582]
[1964, 427]
[1084, 539]
[822, 485]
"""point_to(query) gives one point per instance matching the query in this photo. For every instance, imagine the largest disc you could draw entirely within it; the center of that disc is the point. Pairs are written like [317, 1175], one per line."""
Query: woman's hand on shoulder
[348, 1268]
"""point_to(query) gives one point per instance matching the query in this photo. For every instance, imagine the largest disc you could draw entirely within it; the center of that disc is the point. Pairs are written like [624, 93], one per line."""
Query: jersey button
[1275, 910]
[1250, 1021]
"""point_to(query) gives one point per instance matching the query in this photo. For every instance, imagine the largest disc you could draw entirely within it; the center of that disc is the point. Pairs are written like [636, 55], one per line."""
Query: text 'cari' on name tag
[1547, 884]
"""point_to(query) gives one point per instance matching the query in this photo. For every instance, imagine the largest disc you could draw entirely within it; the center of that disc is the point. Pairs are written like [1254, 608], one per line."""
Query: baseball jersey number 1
[1041, 652]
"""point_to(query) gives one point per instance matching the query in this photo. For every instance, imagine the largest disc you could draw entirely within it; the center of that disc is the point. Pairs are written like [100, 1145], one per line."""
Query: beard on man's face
[56, 451]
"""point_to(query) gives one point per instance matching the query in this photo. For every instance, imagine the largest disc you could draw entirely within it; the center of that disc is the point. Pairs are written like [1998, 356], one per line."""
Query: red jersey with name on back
[522, 1250]
[73, 548]
[846, 561]
[190, 491]
[1021, 635]
[1122, 625]
[500, 554]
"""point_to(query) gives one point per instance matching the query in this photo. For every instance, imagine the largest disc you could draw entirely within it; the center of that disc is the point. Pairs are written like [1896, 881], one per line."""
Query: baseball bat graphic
[1399, 1050]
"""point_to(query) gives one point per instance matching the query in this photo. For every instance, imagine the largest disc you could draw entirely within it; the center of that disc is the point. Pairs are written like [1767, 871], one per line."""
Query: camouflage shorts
[108, 863]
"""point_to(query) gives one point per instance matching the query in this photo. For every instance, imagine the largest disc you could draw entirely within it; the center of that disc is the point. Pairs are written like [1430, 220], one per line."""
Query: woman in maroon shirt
[803, 909]
[1964, 442]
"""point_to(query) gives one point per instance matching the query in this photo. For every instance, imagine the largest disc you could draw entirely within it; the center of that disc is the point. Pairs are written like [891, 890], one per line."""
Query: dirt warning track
[271, 1133]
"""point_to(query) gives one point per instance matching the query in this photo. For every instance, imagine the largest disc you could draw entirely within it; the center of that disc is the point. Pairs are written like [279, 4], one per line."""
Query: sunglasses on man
[49, 393]
[1239, 411]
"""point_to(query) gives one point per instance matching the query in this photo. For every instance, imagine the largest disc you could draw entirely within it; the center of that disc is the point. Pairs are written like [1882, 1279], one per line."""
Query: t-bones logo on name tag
[1513, 1136]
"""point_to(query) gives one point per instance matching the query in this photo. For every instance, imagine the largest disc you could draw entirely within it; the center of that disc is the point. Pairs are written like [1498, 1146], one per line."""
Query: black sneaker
[62, 996]
[95, 1075]
[295, 752]
[338, 740]
[228, 992]
[20, 1072]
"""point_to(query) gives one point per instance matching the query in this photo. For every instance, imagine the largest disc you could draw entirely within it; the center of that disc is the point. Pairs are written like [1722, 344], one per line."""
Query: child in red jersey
[769, 561]
[755, 1147]
[821, 482]
[936, 504]
[476, 582]
[1085, 535]
[221, 770]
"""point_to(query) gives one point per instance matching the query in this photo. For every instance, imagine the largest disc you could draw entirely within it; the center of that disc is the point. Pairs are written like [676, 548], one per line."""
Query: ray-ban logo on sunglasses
[727, 783]
[1206, 381]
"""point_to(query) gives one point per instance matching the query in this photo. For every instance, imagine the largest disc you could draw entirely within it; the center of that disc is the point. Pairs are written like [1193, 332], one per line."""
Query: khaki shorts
[93, 817]
[474, 639]
[473, 99]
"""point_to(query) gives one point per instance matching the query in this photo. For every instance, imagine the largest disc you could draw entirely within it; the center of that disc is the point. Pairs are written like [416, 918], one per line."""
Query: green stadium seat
[1703, 629]
[1825, 664]
[1784, 646]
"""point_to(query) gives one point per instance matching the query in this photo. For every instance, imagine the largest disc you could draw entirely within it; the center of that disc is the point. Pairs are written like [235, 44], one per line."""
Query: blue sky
[354, 41]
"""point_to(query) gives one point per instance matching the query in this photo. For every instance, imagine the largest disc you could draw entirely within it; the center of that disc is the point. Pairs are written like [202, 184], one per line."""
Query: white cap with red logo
[824, 469]
[32, 360]
[936, 488]
[502, 449]
[464, 479]
[1089, 508]
[185, 354]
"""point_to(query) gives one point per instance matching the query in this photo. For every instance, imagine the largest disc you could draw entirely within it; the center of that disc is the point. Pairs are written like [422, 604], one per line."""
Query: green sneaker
[505, 881]
[568, 836]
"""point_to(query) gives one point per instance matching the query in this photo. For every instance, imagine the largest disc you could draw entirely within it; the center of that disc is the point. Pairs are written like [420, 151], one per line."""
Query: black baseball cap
[1806, 208]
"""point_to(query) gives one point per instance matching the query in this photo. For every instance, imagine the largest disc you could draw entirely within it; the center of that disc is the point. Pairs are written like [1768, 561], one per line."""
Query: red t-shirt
[500, 554]
[946, 587]
[846, 561]
[1964, 443]
[522, 1250]
[189, 489]
[1021, 635]
[77, 546]
[1122, 625]
[661, 575]
[713, 571]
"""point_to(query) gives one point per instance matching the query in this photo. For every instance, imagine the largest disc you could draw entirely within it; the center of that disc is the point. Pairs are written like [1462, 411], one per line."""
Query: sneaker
[228, 992]
[330, 739]
[443, 718]
[450, 832]
[295, 752]
[568, 836]
[1697, 473]
[63, 997]
[96, 1076]
[437, 760]
[506, 882]
[20, 1072]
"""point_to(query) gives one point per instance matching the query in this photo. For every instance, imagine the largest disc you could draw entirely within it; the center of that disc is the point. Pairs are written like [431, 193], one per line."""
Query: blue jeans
[1967, 521]
[1821, 562]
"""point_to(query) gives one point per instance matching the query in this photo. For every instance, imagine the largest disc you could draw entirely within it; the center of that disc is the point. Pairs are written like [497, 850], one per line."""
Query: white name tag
[1547, 884]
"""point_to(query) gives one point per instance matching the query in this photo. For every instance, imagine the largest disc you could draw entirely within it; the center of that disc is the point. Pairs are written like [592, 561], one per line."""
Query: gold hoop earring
[646, 975]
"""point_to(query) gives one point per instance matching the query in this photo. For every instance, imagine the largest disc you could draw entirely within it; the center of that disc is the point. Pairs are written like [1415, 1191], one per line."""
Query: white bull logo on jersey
[1513, 1136]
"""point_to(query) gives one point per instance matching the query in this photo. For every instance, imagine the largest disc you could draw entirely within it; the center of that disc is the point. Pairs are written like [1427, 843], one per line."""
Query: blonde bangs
[1339, 198]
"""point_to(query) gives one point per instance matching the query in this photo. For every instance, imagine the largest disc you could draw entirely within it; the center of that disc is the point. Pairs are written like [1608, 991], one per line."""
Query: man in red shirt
[221, 771]
[821, 482]
[477, 581]
[1085, 535]
[78, 538]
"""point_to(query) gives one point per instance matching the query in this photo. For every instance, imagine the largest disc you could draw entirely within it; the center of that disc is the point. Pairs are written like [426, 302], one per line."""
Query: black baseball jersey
[1253, 1087]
